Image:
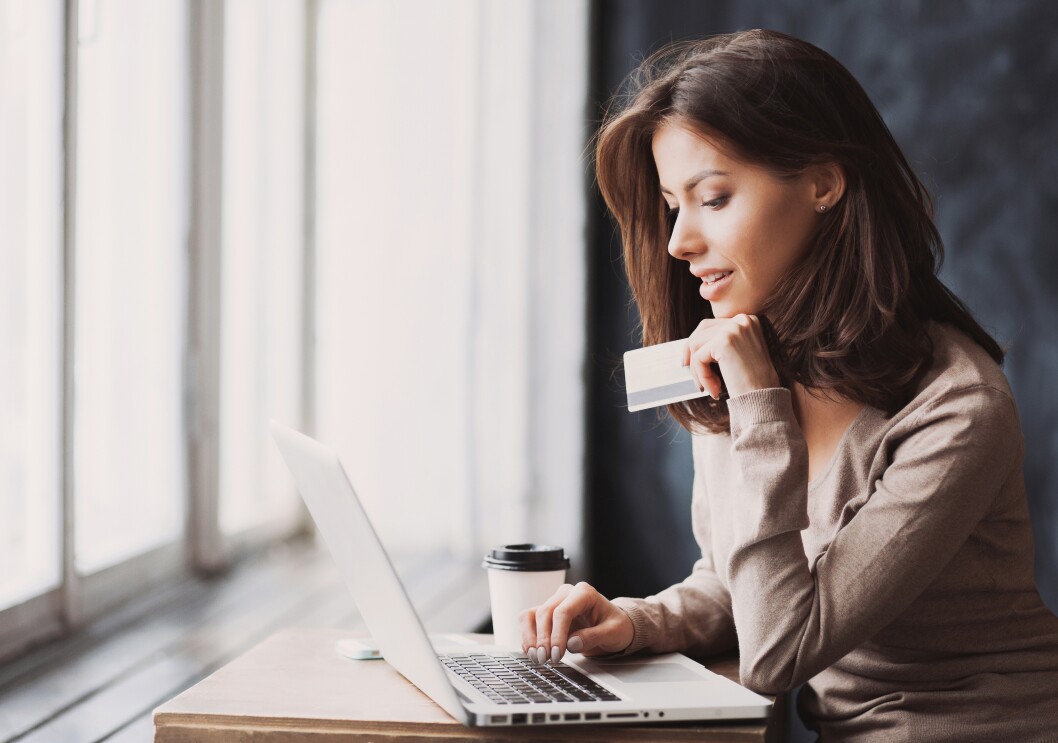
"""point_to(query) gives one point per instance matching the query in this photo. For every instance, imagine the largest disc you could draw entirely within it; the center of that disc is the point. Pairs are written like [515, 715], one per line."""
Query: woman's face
[733, 217]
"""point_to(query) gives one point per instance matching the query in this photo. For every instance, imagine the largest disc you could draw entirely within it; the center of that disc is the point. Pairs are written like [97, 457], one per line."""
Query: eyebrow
[697, 178]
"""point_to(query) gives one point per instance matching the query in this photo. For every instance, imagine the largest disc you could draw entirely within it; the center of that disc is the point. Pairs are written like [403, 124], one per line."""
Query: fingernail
[538, 656]
[575, 645]
[555, 655]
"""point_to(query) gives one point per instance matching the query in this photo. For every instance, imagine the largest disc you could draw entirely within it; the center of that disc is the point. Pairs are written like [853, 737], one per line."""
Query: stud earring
[822, 208]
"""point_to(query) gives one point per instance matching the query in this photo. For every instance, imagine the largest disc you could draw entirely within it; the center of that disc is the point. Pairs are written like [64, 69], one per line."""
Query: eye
[674, 212]
[670, 218]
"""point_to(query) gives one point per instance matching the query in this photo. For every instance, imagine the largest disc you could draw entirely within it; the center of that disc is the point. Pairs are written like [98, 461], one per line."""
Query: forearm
[795, 620]
[692, 617]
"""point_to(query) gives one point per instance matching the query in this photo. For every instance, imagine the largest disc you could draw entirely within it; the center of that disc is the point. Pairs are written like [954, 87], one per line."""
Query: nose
[685, 241]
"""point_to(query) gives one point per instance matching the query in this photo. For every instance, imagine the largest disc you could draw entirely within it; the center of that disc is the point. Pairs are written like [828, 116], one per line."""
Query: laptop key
[515, 681]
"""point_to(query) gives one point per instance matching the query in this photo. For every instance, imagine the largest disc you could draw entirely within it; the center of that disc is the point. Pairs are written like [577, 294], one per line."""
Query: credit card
[655, 375]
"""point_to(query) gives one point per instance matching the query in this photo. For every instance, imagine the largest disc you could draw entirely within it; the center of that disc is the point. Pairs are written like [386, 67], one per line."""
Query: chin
[725, 310]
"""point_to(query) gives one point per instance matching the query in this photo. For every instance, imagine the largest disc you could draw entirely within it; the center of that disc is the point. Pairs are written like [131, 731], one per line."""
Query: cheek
[749, 237]
[773, 240]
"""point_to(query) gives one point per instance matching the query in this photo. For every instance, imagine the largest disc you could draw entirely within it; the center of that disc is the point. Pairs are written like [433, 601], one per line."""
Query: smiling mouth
[711, 290]
[716, 278]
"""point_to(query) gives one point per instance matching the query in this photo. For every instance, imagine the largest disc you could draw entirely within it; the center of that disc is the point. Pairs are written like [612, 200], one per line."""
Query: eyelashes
[674, 212]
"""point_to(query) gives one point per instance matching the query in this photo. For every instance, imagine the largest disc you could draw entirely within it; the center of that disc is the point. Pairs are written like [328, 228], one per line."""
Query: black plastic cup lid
[528, 557]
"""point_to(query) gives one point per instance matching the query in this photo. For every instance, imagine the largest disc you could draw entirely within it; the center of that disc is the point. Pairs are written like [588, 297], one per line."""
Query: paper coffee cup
[521, 576]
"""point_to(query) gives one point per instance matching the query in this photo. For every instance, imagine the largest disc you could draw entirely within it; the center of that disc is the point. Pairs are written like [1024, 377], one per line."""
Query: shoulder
[964, 397]
[959, 363]
[962, 373]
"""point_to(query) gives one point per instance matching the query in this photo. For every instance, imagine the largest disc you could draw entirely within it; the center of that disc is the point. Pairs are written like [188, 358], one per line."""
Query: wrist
[755, 385]
[637, 621]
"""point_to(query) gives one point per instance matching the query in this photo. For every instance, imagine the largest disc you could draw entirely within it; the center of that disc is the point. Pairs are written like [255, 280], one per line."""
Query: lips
[708, 271]
[711, 291]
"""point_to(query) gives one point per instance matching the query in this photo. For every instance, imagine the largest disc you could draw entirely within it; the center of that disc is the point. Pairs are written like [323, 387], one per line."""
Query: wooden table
[294, 686]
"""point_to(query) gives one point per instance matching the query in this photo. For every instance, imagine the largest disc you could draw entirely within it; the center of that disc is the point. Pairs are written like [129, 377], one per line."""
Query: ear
[827, 183]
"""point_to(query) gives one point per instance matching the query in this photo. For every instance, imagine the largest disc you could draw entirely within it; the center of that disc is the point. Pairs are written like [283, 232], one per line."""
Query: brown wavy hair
[850, 319]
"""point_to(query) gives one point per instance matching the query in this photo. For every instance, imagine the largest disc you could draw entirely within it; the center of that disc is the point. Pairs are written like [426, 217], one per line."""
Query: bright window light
[262, 253]
[31, 87]
[395, 270]
[131, 240]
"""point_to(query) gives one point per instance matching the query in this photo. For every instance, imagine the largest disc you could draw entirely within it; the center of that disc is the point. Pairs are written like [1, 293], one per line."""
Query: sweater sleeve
[693, 616]
[795, 620]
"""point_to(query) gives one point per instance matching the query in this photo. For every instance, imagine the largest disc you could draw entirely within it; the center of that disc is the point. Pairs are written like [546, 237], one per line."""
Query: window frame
[38, 618]
[87, 597]
[210, 549]
[202, 549]
[550, 481]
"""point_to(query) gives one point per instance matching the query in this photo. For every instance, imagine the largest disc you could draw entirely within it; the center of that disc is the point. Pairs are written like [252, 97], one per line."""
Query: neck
[819, 409]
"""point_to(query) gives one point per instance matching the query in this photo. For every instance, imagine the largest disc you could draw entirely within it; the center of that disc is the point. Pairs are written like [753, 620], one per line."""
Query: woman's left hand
[737, 345]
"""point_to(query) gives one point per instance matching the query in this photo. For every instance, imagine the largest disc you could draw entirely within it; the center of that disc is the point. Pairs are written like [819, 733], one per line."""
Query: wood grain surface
[294, 686]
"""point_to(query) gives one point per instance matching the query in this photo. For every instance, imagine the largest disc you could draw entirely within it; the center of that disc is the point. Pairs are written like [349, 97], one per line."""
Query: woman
[858, 493]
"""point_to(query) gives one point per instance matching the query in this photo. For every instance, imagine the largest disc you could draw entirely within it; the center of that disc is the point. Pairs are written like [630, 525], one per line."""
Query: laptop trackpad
[645, 673]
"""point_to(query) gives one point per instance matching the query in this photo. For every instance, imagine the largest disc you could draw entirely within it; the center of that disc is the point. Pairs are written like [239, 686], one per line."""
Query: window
[395, 260]
[450, 265]
[129, 271]
[31, 86]
[219, 213]
[104, 401]
[261, 351]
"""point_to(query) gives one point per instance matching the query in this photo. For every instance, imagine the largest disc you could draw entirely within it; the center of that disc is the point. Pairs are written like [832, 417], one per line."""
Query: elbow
[762, 683]
[767, 678]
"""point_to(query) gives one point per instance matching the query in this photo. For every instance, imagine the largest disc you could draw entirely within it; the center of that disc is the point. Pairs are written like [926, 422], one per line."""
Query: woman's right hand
[577, 618]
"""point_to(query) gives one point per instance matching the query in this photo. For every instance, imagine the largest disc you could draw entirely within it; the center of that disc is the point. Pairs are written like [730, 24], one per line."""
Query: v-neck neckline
[839, 449]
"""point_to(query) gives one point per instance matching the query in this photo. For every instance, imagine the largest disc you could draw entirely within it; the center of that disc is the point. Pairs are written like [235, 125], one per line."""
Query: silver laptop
[489, 685]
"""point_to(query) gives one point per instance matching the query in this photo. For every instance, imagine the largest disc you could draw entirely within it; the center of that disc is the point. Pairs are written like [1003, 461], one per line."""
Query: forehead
[684, 158]
[674, 144]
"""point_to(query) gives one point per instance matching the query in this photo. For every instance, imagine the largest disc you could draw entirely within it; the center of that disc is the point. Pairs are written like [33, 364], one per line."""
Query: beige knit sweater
[898, 584]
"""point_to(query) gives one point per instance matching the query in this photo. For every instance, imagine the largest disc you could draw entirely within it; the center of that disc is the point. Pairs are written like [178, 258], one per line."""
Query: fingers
[546, 628]
[543, 631]
[738, 348]
[578, 602]
[699, 354]
[535, 624]
[710, 380]
[587, 641]
[702, 369]
[527, 623]
[613, 634]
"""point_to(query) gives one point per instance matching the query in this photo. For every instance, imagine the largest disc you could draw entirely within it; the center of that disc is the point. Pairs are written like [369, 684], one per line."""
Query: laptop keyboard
[512, 680]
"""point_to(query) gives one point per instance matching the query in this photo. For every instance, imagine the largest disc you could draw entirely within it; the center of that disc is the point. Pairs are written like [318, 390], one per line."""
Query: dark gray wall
[967, 89]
